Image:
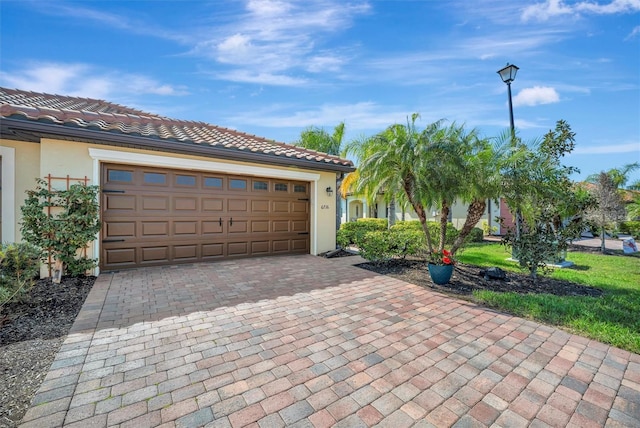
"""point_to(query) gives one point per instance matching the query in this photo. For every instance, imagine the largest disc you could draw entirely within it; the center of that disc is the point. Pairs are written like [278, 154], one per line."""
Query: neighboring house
[172, 191]
[354, 207]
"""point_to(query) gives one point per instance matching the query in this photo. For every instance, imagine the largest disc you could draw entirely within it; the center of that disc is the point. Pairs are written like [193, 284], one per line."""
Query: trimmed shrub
[434, 230]
[631, 227]
[19, 265]
[353, 232]
[376, 246]
[476, 235]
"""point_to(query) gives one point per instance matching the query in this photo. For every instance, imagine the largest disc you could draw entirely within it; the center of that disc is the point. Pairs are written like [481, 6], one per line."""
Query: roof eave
[15, 129]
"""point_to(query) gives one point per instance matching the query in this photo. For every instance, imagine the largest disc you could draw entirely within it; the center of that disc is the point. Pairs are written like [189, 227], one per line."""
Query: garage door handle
[112, 191]
[112, 240]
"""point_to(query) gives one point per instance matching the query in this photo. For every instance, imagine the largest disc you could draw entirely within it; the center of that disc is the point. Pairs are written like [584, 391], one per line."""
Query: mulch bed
[467, 278]
[31, 332]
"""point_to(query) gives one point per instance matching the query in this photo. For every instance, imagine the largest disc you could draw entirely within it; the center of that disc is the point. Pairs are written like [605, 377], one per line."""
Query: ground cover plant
[611, 318]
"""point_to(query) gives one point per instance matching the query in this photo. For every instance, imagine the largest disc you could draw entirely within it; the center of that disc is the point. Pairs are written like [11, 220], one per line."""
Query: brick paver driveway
[305, 341]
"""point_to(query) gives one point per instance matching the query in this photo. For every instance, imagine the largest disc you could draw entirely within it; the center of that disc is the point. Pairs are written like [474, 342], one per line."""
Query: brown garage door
[154, 216]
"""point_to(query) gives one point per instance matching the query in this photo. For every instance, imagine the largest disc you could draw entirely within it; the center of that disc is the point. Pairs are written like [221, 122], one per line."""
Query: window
[281, 187]
[300, 188]
[237, 184]
[185, 180]
[154, 178]
[212, 182]
[260, 185]
[119, 175]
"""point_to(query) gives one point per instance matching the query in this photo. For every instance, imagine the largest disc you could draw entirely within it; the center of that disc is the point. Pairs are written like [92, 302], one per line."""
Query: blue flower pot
[440, 274]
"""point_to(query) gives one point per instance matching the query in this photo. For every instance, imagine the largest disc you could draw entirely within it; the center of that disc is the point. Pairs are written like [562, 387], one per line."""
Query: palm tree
[407, 165]
[619, 176]
[318, 139]
[481, 179]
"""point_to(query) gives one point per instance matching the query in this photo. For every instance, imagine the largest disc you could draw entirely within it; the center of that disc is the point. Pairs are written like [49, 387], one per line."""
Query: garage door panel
[281, 246]
[155, 216]
[237, 205]
[155, 254]
[184, 252]
[300, 244]
[213, 250]
[238, 226]
[280, 206]
[120, 256]
[280, 226]
[238, 249]
[185, 227]
[212, 204]
[212, 227]
[300, 207]
[260, 226]
[155, 228]
[119, 202]
[155, 203]
[120, 229]
[185, 204]
[260, 206]
[299, 226]
[259, 247]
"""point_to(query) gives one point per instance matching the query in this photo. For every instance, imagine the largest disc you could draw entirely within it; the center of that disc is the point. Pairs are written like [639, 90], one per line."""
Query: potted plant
[440, 266]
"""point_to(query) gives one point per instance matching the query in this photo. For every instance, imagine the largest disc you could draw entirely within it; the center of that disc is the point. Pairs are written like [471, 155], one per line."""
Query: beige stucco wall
[27, 168]
[458, 212]
[61, 158]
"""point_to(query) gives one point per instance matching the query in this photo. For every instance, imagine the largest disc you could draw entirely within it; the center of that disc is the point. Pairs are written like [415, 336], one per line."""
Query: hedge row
[378, 243]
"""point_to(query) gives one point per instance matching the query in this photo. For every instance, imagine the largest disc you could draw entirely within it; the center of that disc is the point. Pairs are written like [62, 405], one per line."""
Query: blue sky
[274, 67]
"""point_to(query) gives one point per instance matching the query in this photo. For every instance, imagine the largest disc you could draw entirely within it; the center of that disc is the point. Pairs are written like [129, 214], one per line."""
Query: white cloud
[105, 19]
[278, 37]
[358, 116]
[266, 78]
[82, 80]
[535, 96]
[609, 149]
[553, 8]
[634, 33]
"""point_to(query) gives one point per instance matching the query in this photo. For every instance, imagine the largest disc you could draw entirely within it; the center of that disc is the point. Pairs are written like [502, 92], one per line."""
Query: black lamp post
[508, 75]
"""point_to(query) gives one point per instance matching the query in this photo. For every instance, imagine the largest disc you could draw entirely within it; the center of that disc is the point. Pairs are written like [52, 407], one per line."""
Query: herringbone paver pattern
[305, 341]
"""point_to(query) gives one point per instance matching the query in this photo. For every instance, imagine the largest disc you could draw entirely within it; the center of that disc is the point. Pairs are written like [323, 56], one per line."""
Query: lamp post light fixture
[508, 75]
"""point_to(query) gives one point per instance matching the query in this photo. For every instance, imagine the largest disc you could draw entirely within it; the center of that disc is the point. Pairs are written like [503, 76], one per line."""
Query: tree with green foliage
[537, 184]
[619, 176]
[318, 139]
[428, 168]
[633, 208]
[481, 181]
[61, 222]
[610, 208]
[391, 164]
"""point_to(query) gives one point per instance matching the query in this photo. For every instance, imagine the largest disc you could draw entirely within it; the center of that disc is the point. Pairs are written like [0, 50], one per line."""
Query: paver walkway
[305, 341]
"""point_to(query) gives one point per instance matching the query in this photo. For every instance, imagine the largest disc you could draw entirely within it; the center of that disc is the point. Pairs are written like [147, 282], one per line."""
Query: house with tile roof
[172, 191]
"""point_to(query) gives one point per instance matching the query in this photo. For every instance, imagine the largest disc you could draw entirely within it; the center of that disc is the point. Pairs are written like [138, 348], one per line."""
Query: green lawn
[613, 318]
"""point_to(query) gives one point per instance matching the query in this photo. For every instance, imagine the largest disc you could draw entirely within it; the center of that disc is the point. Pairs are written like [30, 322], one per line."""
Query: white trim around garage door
[102, 155]
[8, 155]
